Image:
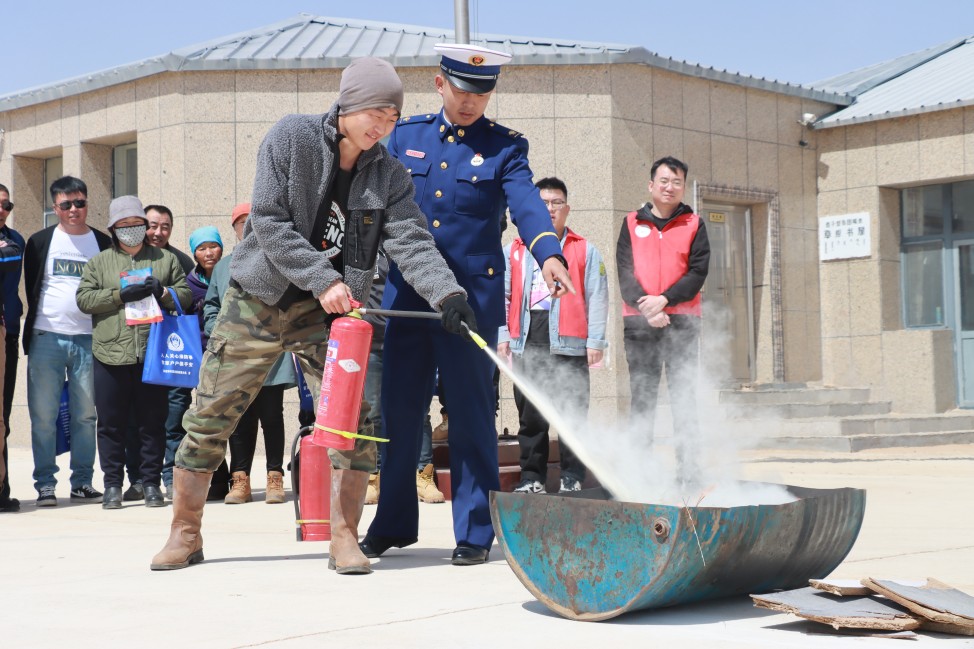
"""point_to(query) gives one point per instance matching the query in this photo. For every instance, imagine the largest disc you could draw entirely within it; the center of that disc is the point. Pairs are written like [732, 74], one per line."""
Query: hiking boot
[372, 492]
[568, 483]
[529, 486]
[275, 488]
[426, 487]
[240, 491]
[135, 492]
[442, 430]
[86, 494]
[46, 496]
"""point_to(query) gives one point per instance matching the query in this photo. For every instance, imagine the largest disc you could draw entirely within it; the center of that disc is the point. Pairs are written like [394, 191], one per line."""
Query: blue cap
[471, 68]
[206, 234]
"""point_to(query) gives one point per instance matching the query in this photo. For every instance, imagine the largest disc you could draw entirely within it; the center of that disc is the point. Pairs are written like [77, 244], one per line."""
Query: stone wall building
[767, 163]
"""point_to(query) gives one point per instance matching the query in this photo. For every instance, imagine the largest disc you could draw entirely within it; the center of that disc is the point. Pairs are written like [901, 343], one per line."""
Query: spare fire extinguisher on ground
[311, 475]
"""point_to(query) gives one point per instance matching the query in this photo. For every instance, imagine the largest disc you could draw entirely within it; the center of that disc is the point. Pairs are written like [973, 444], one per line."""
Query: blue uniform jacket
[465, 178]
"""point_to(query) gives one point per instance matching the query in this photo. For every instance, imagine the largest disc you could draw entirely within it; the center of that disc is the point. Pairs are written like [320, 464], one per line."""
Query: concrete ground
[78, 576]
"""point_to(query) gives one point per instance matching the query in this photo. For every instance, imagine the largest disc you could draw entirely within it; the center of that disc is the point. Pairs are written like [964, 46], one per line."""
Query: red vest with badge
[572, 318]
[661, 257]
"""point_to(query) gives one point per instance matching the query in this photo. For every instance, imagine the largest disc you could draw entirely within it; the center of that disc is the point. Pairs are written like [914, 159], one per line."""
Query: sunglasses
[6, 206]
[64, 206]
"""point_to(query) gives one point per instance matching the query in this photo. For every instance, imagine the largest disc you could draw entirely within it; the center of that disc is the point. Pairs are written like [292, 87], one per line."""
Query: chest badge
[413, 153]
[642, 231]
[477, 160]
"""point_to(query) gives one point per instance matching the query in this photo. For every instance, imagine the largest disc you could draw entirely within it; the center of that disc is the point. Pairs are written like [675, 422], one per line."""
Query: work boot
[240, 489]
[347, 501]
[185, 544]
[441, 432]
[426, 487]
[275, 488]
[372, 493]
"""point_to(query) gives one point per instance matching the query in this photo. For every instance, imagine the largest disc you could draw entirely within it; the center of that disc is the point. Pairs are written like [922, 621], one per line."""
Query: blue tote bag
[174, 351]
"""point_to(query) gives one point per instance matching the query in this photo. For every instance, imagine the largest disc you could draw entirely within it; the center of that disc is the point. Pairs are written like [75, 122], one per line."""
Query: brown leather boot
[275, 488]
[442, 431]
[185, 544]
[240, 489]
[347, 502]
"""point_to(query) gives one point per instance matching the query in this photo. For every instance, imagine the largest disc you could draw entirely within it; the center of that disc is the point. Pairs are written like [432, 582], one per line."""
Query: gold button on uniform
[474, 179]
[436, 224]
[438, 194]
[449, 138]
[443, 165]
[442, 128]
[460, 132]
[490, 271]
[409, 171]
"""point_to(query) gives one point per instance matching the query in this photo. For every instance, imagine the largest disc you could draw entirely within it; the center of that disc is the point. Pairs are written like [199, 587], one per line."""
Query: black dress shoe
[134, 492]
[153, 496]
[468, 555]
[374, 546]
[112, 498]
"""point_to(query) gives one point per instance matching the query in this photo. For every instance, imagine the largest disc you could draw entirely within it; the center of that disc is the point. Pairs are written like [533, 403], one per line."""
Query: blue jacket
[465, 179]
[13, 308]
[596, 307]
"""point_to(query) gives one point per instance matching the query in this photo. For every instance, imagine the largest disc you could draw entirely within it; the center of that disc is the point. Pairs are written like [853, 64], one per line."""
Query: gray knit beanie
[369, 82]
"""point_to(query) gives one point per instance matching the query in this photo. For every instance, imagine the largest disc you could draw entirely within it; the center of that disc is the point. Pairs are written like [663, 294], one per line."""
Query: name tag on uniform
[412, 153]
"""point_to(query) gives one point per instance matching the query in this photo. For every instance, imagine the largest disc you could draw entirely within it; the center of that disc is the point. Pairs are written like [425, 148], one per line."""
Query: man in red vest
[554, 342]
[662, 256]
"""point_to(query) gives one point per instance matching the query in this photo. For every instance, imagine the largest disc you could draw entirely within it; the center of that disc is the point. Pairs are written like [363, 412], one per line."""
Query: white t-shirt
[66, 258]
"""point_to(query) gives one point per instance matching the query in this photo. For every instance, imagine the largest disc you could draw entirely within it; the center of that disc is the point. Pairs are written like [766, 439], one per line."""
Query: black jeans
[566, 380]
[268, 408]
[9, 383]
[119, 391]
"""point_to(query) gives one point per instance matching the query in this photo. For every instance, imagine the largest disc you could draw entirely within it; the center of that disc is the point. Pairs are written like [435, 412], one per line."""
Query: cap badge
[476, 59]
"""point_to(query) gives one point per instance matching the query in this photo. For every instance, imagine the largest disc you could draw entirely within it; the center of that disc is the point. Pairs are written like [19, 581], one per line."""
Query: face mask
[131, 236]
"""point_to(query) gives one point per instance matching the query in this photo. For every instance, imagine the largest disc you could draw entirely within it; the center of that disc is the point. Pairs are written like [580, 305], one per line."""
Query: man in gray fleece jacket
[326, 194]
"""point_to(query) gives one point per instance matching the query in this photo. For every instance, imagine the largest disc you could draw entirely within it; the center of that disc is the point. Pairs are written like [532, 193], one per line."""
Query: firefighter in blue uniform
[467, 171]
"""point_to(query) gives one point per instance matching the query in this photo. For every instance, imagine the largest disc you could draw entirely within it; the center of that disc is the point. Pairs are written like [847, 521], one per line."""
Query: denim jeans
[52, 357]
[179, 402]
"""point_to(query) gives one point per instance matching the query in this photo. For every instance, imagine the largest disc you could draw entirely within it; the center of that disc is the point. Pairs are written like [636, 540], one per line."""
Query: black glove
[135, 292]
[456, 311]
[155, 286]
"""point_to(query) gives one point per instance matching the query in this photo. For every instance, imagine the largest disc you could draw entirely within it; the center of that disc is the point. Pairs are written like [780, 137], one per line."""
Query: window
[53, 169]
[125, 171]
[923, 285]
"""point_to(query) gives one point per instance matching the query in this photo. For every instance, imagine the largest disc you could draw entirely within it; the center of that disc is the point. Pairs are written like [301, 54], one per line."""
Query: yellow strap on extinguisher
[311, 521]
[345, 433]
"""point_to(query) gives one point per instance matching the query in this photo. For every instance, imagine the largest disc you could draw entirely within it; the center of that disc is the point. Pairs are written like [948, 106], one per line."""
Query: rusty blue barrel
[587, 557]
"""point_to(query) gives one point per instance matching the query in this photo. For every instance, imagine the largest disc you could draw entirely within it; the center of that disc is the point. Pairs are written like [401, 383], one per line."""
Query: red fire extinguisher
[311, 473]
[343, 382]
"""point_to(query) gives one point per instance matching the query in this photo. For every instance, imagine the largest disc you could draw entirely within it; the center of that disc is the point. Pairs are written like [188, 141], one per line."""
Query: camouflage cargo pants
[247, 339]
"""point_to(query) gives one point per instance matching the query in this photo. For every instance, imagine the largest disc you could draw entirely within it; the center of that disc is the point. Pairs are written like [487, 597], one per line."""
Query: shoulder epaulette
[416, 119]
[503, 130]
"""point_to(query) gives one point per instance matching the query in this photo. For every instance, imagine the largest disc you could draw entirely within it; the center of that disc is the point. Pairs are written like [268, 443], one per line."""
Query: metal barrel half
[590, 558]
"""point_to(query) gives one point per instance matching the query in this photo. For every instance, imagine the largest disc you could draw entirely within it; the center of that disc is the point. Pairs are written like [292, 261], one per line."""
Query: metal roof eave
[828, 122]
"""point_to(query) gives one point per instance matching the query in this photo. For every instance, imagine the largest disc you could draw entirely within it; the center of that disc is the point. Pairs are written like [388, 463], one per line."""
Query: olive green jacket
[113, 342]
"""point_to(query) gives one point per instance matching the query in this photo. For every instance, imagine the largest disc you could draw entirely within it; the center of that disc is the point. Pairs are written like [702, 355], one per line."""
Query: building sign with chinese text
[844, 237]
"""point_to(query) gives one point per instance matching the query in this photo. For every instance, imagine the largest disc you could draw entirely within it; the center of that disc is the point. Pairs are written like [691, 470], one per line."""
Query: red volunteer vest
[572, 319]
[660, 258]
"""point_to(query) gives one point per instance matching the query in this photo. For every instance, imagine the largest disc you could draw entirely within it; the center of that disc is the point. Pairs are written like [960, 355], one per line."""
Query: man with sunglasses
[57, 342]
[11, 249]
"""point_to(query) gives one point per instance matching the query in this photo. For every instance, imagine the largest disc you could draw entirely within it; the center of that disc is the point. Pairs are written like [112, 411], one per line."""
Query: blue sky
[46, 41]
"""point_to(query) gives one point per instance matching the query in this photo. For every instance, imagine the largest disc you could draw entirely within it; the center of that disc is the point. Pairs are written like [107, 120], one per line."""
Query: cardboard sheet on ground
[941, 607]
[839, 612]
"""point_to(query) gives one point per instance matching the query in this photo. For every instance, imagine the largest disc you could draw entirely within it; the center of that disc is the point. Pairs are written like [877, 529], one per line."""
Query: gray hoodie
[295, 163]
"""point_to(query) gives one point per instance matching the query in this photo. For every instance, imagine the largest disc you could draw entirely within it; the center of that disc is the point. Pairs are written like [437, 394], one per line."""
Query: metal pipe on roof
[461, 21]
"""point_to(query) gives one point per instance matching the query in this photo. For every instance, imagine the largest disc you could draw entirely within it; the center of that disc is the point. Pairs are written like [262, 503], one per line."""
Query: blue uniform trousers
[413, 351]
